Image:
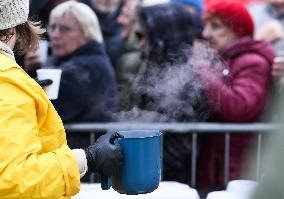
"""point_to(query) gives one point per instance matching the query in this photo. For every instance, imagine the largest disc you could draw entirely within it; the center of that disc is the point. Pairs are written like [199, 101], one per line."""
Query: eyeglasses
[61, 28]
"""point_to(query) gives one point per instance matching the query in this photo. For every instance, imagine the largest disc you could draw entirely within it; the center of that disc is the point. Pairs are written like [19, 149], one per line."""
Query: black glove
[105, 157]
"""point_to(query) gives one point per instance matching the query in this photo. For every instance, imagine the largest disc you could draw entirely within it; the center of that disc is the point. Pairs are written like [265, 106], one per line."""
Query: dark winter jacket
[88, 85]
[171, 29]
[166, 84]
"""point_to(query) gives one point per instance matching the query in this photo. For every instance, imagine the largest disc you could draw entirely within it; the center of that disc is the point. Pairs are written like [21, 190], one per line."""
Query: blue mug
[141, 169]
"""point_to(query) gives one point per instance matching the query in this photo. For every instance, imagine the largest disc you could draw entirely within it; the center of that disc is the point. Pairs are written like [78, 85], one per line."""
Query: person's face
[65, 35]
[217, 33]
[126, 18]
[106, 6]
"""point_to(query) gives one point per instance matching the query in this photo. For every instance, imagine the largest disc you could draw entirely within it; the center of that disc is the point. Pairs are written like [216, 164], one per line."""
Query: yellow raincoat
[35, 161]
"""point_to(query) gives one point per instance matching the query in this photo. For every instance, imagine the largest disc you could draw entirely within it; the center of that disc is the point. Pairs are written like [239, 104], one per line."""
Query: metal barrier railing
[194, 129]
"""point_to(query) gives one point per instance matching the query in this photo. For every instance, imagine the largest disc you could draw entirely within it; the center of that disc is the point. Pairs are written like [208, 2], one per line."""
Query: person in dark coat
[88, 83]
[164, 84]
[237, 90]
[88, 86]
[128, 63]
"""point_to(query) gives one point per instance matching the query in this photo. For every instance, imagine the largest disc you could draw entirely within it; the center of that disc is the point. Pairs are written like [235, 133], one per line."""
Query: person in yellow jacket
[35, 161]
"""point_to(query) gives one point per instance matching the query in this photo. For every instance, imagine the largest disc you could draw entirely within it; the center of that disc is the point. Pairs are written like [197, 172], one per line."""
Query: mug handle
[105, 182]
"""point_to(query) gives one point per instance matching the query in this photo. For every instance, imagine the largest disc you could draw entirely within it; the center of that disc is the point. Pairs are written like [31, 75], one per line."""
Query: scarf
[6, 50]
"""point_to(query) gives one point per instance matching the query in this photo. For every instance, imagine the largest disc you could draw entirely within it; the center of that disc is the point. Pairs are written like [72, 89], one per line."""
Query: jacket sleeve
[25, 170]
[243, 96]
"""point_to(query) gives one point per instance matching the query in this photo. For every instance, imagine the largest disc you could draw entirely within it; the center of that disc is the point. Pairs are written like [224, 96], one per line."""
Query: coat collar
[7, 63]
[6, 50]
[246, 45]
[90, 48]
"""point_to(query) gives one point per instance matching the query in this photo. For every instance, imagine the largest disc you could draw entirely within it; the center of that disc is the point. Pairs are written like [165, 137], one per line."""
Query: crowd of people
[145, 61]
[183, 61]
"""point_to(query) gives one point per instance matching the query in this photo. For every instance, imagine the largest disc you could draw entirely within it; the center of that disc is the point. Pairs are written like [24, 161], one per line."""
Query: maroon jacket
[237, 95]
[240, 95]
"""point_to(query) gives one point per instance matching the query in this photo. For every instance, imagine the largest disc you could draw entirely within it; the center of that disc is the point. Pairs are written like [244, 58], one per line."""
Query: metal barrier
[194, 129]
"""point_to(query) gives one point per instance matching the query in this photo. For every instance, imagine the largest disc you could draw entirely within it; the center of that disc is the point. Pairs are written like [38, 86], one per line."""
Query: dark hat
[170, 24]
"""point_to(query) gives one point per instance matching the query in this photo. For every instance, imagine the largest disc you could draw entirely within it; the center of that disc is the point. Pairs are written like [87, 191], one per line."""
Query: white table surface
[166, 190]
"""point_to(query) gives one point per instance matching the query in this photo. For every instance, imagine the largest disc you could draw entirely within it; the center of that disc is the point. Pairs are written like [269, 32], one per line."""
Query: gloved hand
[105, 157]
[44, 82]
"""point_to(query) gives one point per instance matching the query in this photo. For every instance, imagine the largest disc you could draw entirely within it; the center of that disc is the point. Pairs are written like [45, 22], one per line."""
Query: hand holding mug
[140, 172]
[105, 157]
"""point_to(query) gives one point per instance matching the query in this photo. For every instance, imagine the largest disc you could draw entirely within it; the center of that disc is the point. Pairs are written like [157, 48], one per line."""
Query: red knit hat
[234, 14]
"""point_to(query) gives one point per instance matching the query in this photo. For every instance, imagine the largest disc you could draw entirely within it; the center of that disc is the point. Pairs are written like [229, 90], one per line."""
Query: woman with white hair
[35, 161]
[88, 86]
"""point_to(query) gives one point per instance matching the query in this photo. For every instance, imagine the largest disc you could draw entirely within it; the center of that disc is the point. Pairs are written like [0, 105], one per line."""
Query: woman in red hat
[238, 91]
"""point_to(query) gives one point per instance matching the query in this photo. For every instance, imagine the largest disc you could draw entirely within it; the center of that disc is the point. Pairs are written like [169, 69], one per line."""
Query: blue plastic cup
[141, 169]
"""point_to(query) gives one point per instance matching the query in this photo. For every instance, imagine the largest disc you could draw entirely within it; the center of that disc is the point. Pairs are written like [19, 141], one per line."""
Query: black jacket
[167, 85]
[88, 86]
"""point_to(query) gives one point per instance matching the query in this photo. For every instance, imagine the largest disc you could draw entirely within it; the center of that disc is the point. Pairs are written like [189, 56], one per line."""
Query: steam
[174, 89]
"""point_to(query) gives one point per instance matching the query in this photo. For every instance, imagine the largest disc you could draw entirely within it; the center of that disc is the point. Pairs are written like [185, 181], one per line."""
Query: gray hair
[83, 14]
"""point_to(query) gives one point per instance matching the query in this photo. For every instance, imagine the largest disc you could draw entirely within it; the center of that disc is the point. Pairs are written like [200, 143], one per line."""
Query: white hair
[83, 14]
